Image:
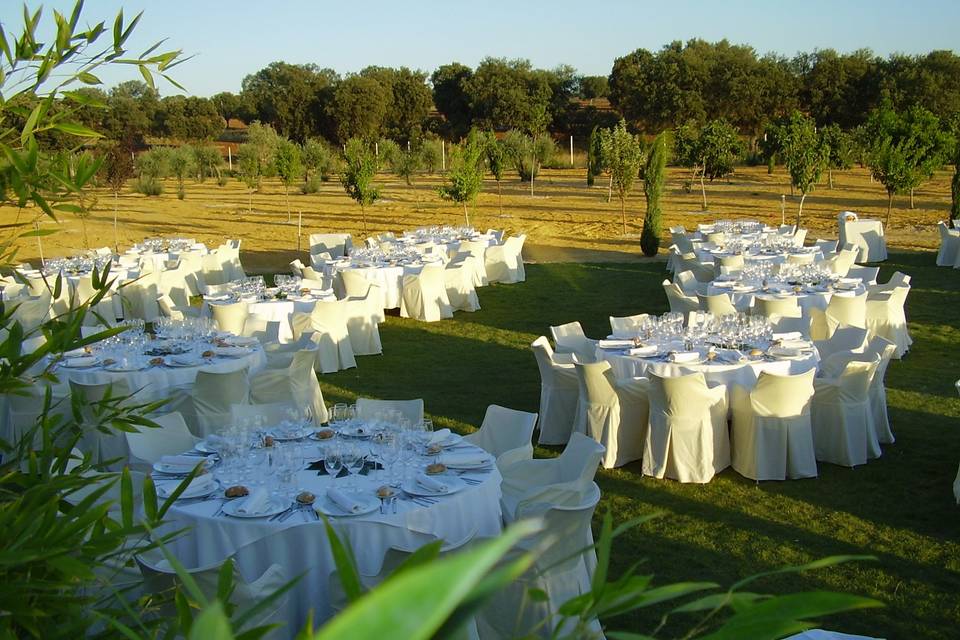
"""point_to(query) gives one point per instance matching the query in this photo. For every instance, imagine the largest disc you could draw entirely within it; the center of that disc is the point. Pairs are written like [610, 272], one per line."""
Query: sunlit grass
[898, 508]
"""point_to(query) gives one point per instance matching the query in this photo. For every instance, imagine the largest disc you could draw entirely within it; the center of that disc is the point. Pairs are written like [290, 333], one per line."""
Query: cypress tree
[653, 188]
[593, 156]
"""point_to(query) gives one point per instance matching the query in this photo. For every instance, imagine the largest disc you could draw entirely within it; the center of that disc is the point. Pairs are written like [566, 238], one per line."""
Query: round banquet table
[743, 297]
[156, 382]
[451, 246]
[299, 543]
[280, 310]
[744, 374]
[772, 257]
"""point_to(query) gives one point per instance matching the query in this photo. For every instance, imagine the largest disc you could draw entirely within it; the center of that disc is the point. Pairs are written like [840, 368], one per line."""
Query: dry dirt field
[564, 220]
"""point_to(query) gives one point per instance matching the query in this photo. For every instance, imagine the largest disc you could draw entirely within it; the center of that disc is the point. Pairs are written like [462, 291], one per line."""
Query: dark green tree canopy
[449, 83]
[189, 118]
[359, 108]
[291, 97]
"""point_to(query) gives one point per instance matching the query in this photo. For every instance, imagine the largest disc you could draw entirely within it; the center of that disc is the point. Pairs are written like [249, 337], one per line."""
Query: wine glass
[333, 460]
[353, 460]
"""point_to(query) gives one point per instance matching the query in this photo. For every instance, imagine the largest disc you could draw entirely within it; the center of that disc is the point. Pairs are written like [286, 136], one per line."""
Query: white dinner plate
[130, 368]
[368, 504]
[487, 464]
[453, 483]
[184, 361]
[270, 509]
[177, 469]
[356, 432]
[166, 489]
[451, 440]
[79, 363]
[284, 436]
[204, 447]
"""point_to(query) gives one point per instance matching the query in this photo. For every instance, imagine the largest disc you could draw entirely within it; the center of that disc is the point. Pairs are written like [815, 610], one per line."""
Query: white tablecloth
[744, 374]
[156, 382]
[303, 545]
[867, 236]
[707, 256]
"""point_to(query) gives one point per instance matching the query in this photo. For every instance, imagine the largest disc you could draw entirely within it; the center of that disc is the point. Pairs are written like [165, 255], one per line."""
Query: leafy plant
[710, 151]
[404, 164]
[528, 153]
[152, 167]
[840, 149]
[653, 179]
[117, 169]
[318, 159]
[182, 163]
[804, 153]
[623, 157]
[466, 173]
[496, 160]
[359, 171]
[249, 170]
[208, 161]
[431, 154]
[287, 160]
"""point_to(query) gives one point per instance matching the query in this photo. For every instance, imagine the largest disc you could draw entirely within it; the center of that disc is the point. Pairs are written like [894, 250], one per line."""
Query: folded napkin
[685, 356]
[255, 503]
[784, 352]
[198, 486]
[75, 353]
[344, 501]
[743, 287]
[187, 462]
[242, 341]
[853, 281]
[788, 335]
[231, 351]
[438, 436]
[465, 459]
[82, 361]
[794, 344]
[725, 284]
[433, 484]
[644, 352]
[185, 358]
[615, 344]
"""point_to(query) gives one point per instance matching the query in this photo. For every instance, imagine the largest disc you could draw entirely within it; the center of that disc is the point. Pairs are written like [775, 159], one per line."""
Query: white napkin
[788, 335]
[198, 486]
[184, 358]
[784, 352]
[649, 350]
[343, 501]
[231, 351]
[433, 484]
[467, 459]
[438, 436]
[794, 344]
[615, 344]
[189, 462]
[75, 353]
[242, 341]
[724, 284]
[685, 356]
[83, 361]
[255, 502]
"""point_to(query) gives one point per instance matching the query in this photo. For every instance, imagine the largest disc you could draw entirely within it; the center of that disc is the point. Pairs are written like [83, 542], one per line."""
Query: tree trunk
[533, 170]
[286, 194]
[116, 241]
[703, 191]
[363, 215]
[911, 197]
[623, 215]
[803, 196]
[610, 189]
[250, 202]
[466, 216]
[500, 198]
[830, 177]
[889, 207]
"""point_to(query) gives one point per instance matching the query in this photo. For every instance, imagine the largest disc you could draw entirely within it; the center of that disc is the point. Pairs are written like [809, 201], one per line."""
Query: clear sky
[232, 39]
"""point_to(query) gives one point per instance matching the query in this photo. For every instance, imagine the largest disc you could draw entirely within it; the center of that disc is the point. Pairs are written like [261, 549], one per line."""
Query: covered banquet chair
[558, 394]
[505, 433]
[844, 432]
[612, 412]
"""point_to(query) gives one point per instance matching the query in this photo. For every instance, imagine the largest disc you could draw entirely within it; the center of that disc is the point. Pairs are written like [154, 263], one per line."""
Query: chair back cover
[230, 317]
[151, 444]
[626, 326]
[412, 410]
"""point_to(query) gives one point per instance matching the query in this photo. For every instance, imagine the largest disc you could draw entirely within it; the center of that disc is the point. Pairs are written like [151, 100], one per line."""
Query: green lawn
[899, 508]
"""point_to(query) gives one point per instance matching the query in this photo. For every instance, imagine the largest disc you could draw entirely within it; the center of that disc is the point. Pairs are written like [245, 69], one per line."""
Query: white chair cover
[843, 428]
[106, 308]
[770, 306]
[504, 262]
[772, 436]
[613, 413]
[478, 266]
[833, 367]
[849, 310]
[530, 486]
[570, 338]
[506, 433]
[868, 275]
[885, 316]
[269, 414]
[32, 311]
[295, 385]
[688, 283]
[679, 301]
[827, 247]
[151, 444]
[718, 304]
[459, 282]
[363, 313]
[230, 317]
[336, 244]
[412, 410]
[843, 339]
[102, 446]
[329, 320]
[563, 570]
[949, 244]
[211, 397]
[266, 331]
[424, 295]
[687, 439]
[558, 394]
[626, 326]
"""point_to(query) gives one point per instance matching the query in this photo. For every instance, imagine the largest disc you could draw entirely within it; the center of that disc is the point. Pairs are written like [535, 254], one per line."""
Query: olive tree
[287, 161]
[496, 161]
[804, 154]
[181, 164]
[465, 178]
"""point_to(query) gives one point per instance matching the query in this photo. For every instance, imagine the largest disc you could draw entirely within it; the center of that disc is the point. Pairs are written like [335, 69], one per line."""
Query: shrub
[148, 186]
[312, 185]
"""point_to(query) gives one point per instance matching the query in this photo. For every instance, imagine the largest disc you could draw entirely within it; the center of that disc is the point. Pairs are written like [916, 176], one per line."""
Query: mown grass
[898, 508]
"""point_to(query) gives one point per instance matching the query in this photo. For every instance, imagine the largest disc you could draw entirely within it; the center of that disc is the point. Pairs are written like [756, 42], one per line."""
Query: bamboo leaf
[75, 129]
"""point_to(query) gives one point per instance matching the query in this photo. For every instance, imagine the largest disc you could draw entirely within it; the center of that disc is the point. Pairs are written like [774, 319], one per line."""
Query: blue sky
[232, 39]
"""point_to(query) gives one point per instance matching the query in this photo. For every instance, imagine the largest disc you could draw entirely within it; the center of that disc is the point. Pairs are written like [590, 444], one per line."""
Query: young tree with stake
[624, 157]
[287, 160]
[466, 173]
[359, 170]
[804, 154]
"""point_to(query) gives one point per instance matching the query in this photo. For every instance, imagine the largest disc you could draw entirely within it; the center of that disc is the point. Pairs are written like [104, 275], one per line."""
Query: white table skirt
[706, 256]
[475, 511]
[743, 374]
[155, 382]
[867, 236]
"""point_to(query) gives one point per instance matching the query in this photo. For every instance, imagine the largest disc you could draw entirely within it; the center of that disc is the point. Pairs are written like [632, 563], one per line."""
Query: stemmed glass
[353, 460]
[333, 460]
